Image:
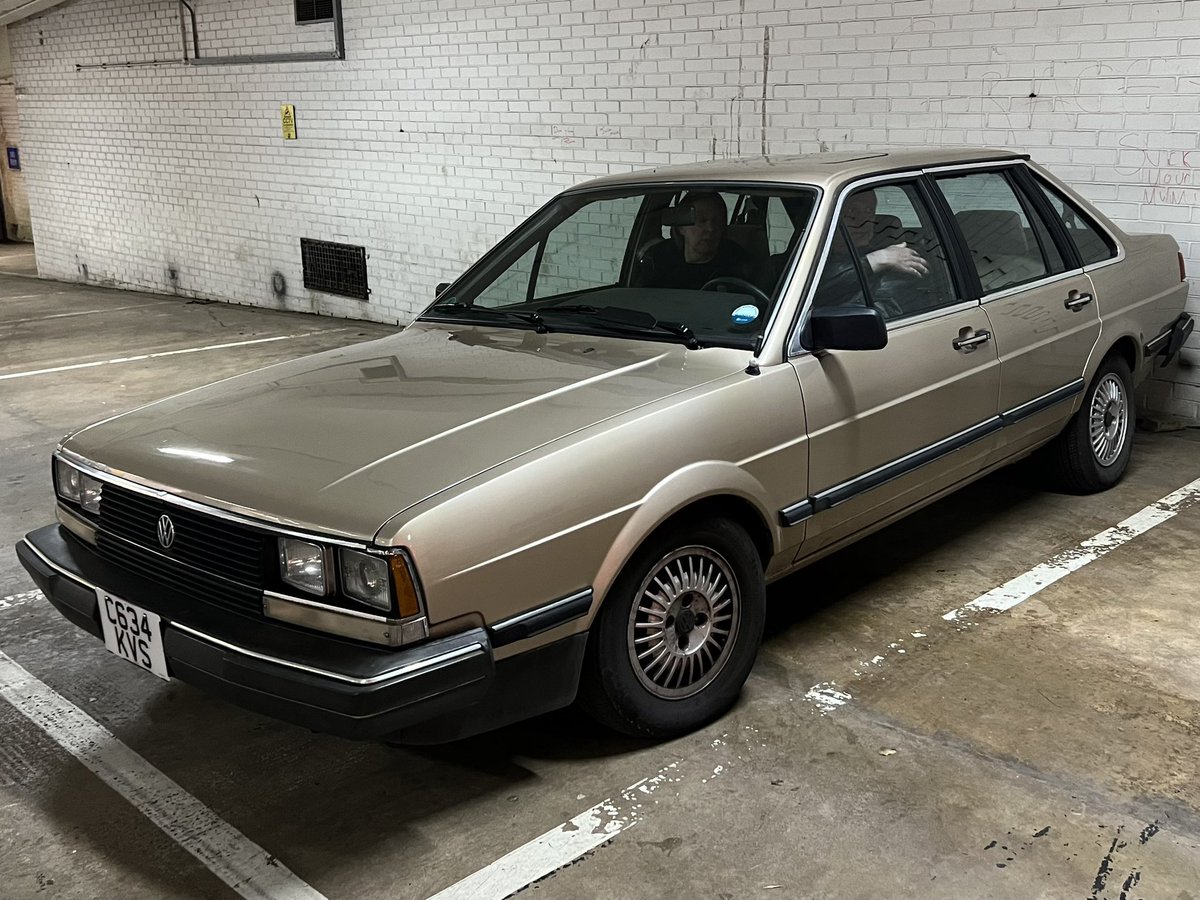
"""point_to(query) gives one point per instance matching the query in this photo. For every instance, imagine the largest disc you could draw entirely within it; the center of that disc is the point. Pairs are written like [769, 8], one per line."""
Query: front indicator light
[407, 600]
[305, 565]
[365, 579]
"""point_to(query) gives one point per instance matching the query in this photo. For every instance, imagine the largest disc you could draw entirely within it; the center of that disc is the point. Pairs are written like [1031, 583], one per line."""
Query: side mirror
[846, 328]
[440, 289]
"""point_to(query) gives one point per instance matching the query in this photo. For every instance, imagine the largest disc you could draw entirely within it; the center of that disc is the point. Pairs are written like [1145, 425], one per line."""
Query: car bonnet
[340, 442]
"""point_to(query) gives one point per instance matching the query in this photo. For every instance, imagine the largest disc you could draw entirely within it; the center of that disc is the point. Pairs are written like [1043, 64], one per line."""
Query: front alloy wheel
[685, 623]
[678, 632]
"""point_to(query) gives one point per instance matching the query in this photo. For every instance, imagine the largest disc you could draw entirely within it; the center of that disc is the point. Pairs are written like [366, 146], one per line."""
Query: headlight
[67, 479]
[365, 579]
[73, 485]
[305, 565]
[89, 493]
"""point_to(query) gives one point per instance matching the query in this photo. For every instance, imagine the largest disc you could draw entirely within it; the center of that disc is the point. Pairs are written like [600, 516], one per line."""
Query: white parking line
[1021, 588]
[229, 854]
[87, 312]
[21, 599]
[829, 696]
[30, 296]
[562, 845]
[144, 356]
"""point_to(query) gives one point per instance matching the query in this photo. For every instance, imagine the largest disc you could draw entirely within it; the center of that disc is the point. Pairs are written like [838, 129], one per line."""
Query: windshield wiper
[630, 321]
[466, 309]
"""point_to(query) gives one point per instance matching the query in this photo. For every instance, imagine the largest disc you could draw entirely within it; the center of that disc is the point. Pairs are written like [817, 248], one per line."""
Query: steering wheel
[743, 286]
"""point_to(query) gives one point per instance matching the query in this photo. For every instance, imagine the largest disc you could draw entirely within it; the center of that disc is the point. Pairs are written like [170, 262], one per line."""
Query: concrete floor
[1048, 752]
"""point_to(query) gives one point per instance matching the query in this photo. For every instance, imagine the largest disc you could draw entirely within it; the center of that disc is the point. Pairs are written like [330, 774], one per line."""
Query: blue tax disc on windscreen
[744, 315]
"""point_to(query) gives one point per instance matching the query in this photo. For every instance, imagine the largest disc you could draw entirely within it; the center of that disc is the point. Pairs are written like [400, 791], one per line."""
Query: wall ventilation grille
[314, 11]
[335, 268]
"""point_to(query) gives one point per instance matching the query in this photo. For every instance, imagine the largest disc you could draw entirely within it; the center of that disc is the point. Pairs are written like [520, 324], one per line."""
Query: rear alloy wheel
[678, 634]
[1093, 451]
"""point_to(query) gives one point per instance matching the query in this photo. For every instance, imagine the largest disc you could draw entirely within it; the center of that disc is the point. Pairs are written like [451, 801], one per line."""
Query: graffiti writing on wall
[1171, 176]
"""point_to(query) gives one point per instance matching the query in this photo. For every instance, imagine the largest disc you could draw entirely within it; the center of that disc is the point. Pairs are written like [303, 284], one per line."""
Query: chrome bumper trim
[345, 622]
[399, 671]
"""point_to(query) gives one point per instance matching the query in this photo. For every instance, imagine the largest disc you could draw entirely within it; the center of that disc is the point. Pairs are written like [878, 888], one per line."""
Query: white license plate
[134, 634]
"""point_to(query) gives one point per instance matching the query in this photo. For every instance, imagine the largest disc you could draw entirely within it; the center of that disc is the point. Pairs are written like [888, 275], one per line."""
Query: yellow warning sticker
[287, 115]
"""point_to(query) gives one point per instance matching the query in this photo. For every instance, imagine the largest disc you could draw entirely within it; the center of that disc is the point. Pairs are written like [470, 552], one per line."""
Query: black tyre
[677, 636]
[1093, 451]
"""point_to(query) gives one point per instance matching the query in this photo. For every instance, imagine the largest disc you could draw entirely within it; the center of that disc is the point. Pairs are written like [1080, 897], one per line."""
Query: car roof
[822, 169]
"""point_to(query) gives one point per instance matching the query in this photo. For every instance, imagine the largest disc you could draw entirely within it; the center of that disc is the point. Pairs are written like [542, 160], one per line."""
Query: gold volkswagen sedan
[574, 474]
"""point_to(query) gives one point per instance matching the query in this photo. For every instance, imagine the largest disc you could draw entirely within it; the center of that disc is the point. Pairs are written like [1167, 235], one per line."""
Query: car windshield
[701, 266]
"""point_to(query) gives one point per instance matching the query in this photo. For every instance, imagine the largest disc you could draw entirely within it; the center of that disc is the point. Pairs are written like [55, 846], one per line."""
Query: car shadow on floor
[830, 581]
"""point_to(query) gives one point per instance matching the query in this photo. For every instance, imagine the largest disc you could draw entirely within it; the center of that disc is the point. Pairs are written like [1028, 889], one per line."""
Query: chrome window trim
[161, 492]
[967, 167]
[931, 315]
[1030, 285]
[406, 669]
[784, 292]
[1091, 267]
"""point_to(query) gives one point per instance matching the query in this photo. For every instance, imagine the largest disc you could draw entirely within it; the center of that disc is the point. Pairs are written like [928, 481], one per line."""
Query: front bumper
[321, 682]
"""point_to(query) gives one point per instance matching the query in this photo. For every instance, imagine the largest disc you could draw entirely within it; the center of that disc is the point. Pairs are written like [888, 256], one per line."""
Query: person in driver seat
[697, 252]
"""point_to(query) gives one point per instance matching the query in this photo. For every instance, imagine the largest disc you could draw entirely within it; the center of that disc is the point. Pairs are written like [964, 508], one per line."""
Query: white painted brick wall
[451, 119]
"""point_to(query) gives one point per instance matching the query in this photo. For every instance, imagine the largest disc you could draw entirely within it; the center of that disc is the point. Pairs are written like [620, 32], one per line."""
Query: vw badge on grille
[166, 531]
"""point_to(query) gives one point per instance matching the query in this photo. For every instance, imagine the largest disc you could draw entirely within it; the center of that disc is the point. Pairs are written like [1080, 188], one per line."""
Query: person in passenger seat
[697, 253]
[878, 256]
[874, 244]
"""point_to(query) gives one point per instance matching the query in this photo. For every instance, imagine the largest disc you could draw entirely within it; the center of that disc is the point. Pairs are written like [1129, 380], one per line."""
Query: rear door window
[1009, 244]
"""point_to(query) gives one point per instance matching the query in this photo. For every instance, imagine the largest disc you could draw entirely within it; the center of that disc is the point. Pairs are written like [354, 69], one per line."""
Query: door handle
[1076, 301]
[970, 343]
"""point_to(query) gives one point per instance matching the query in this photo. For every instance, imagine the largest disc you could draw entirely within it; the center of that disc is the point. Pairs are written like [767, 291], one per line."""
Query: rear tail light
[1182, 269]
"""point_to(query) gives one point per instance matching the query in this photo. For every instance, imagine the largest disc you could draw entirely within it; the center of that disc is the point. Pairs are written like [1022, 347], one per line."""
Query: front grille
[211, 560]
[191, 583]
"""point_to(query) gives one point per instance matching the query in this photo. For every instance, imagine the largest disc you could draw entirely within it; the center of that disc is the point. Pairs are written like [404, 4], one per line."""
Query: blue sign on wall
[14, 158]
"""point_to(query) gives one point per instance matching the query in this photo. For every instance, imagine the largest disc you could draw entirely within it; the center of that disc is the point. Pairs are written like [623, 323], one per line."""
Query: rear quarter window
[1090, 240]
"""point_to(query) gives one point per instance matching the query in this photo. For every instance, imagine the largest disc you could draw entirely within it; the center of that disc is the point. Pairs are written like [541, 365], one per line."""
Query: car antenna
[752, 368]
